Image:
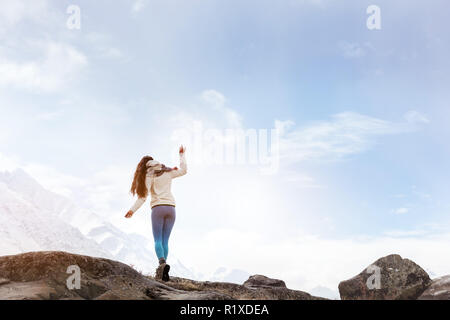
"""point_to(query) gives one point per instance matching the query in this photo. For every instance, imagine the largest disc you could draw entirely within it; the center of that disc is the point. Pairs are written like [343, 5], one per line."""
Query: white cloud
[415, 117]
[101, 44]
[36, 63]
[215, 98]
[345, 134]
[113, 53]
[354, 49]
[301, 180]
[107, 192]
[52, 179]
[401, 210]
[49, 116]
[13, 12]
[58, 65]
[8, 163]
[319, 3]
[217, 101]
[138, 6]
[412, 199]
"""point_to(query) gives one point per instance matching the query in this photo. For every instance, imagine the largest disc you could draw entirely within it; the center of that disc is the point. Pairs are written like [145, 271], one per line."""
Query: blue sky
[364, 153]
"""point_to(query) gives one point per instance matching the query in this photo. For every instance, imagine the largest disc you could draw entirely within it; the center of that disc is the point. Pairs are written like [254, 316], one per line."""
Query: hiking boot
[159, 271]
[165, 274]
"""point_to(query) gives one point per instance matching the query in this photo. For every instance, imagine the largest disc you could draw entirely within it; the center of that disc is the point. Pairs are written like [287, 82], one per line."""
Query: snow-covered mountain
[34, 219]
[28, 220]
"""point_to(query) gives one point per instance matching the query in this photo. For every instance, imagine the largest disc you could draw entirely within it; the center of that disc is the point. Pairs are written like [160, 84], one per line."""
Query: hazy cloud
[58, 64]
[344, 134]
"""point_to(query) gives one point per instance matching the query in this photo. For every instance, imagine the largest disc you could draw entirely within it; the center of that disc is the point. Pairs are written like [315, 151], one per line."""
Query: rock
[399, 279]
[263, 281]
[200, 295]
[43, 276]
[262, 289]
[33, 290]
[439, 290]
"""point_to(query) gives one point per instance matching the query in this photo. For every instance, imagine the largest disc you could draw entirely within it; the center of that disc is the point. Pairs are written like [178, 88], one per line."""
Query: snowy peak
[19, 180]
[30, 190]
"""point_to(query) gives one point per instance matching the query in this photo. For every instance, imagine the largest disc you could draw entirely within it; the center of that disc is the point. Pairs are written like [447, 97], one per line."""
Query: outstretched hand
[182, 149]
[129, 214]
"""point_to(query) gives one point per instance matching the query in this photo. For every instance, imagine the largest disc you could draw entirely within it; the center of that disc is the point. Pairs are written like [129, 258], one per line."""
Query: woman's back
[159, 186]
[160, 189]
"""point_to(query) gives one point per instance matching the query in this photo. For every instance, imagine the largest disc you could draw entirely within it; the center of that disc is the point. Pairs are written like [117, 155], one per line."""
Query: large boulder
[439, 290]
[44, 275]
[263, 281]
[388, 278]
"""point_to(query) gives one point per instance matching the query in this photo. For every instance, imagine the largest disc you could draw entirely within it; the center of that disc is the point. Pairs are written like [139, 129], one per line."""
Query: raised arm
[182, 170]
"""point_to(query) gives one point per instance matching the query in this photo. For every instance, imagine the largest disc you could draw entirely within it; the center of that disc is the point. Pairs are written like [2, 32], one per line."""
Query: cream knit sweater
[160, 187]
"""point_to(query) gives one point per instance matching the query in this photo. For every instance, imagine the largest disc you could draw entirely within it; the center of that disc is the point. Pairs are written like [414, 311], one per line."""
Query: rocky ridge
[52, 275]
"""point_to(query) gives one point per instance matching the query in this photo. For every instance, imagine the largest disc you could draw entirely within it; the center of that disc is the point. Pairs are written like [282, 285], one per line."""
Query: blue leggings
[163, 218]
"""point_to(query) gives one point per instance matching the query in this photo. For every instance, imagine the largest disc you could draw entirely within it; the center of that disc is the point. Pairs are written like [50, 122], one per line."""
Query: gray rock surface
[43, 275]
[257, 287]
[399, 279]
[439, 289]
[260, 281]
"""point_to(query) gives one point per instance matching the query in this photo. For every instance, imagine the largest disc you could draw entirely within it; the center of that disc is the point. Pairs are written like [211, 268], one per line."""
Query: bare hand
[182, 149]
[129, 214]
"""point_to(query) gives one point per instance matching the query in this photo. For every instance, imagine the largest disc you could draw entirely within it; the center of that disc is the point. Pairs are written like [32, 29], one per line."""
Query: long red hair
[138, 186]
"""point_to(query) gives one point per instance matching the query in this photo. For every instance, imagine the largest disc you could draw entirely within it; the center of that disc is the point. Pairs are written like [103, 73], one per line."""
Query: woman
[155, 178]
